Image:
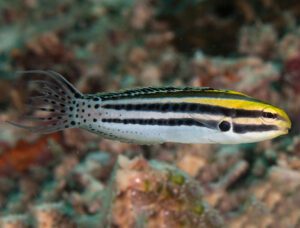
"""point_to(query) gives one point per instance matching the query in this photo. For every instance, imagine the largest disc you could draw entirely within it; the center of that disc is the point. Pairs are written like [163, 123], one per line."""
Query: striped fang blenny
[154, 115]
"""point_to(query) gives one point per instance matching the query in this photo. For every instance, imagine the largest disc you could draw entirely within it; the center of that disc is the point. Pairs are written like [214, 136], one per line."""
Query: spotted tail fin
[53, 108]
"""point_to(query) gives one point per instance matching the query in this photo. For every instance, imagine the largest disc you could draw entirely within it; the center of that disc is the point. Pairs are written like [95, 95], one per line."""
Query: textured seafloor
[76, 179]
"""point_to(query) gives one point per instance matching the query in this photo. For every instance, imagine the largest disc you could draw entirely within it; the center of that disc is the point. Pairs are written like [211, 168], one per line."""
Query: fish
[153, 115]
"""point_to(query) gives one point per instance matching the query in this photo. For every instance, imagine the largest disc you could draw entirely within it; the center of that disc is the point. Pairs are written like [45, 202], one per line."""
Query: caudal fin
[54, 106]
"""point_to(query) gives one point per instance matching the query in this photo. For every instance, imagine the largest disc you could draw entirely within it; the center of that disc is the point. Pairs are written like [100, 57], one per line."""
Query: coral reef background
[77, 179]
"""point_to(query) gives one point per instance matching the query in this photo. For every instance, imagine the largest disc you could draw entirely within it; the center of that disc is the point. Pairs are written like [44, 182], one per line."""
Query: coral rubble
[76, 179]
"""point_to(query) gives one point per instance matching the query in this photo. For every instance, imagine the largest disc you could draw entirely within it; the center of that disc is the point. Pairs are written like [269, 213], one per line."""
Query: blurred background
[77, 179]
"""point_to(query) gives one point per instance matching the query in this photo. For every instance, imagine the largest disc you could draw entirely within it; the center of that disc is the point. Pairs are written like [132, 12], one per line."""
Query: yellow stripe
[228, 103]
[243, 104]
[228, 92]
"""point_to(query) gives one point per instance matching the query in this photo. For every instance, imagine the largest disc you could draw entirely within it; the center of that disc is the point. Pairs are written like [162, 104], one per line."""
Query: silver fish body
[156, 115]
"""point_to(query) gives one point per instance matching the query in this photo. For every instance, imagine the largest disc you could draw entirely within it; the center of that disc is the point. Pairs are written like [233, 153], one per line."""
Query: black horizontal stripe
[237, 128]
[165, 122]
[177, 92]
[245, 128]
[187, 108]
[152, 92]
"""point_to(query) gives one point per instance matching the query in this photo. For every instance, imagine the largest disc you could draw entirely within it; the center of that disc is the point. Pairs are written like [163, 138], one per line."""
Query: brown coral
[158, 195]
[25, 154]
[52, 216]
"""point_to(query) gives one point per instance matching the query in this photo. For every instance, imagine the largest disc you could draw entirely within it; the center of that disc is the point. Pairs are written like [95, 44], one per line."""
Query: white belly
[153, 134]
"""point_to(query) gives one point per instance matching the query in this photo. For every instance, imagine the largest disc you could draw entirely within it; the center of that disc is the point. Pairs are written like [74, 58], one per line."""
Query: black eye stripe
[246, 128]
[225, 125]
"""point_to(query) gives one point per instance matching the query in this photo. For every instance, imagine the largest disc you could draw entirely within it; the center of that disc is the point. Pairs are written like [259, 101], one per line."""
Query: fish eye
[224, 126]
[269, 115]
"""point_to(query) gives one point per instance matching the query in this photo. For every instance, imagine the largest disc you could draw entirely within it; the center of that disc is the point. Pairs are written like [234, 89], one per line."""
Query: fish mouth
[287, 126]
[286, 131]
